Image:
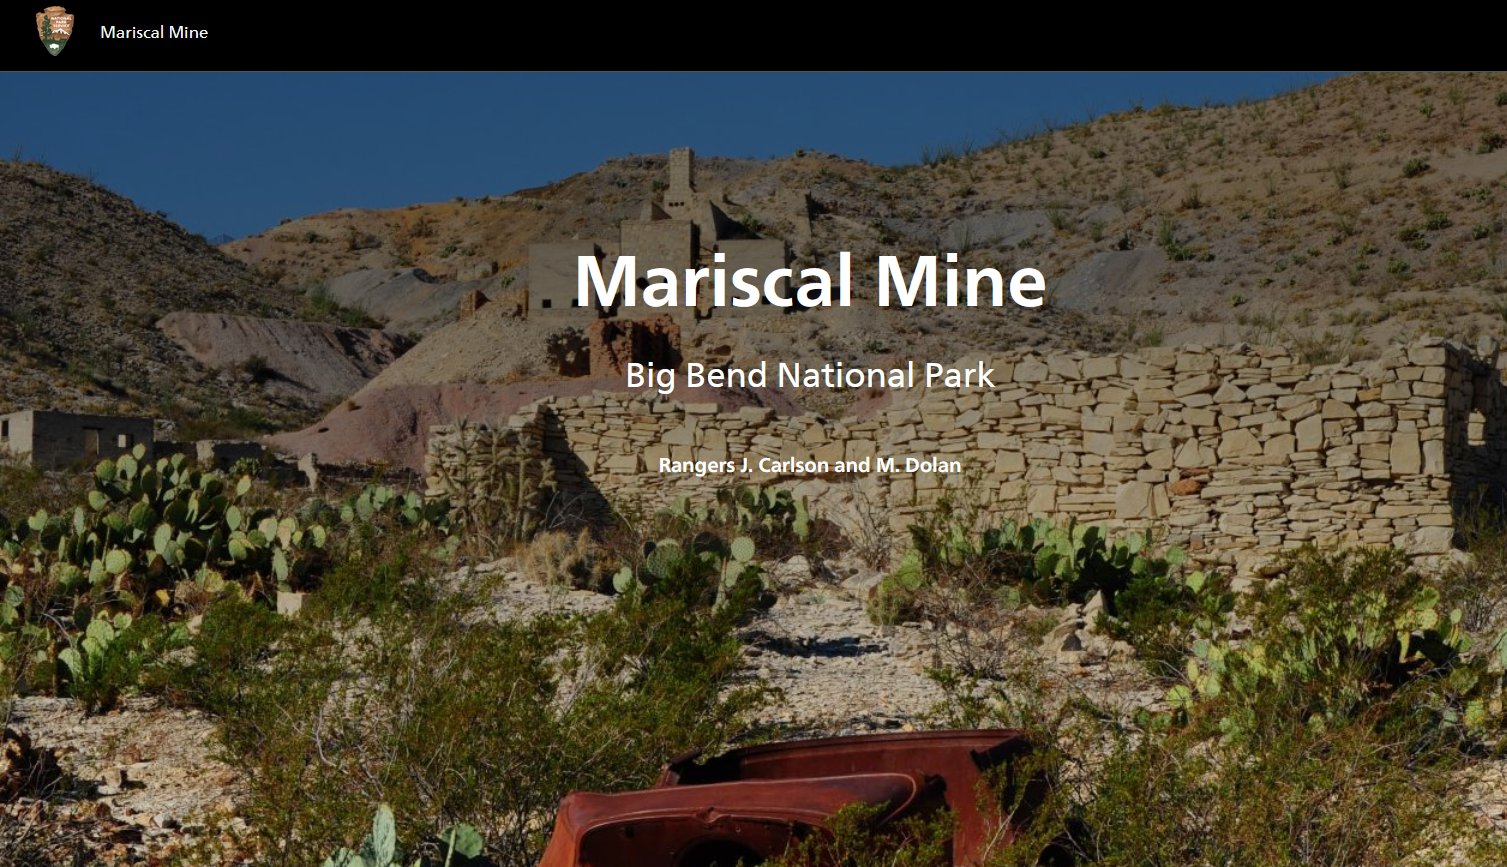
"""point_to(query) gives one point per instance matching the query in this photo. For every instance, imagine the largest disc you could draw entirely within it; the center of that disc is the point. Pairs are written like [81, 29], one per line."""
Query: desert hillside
[86, 276]
[1332, 217]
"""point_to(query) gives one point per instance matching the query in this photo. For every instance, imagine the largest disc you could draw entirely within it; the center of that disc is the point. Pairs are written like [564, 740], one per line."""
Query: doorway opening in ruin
[91, 441]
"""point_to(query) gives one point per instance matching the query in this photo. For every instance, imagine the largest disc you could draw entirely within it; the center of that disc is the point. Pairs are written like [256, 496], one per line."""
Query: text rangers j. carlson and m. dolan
[805, 467]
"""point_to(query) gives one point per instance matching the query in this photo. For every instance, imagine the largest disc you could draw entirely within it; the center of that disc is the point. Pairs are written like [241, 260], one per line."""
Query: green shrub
[1340, 732]
[386, 552]
[1295, 797]
[393, 575]
[936, 155]
[28, 489]
[1192, 200]
[235, 637]
[320, 306]
[1341, 172]
[1157, 614]
[1477, 585]
[1413, 237]
[237, 422]
[1166, 238]
[970, 584]
[449, 715]
[1414, 167]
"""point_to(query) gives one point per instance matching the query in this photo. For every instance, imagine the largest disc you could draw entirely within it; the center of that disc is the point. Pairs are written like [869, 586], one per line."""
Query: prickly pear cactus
[146, 527]
[461, 844]
[712, 570]
[751, 509]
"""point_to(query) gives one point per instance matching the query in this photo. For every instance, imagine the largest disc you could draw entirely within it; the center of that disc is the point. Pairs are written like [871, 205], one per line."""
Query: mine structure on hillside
[685, 231]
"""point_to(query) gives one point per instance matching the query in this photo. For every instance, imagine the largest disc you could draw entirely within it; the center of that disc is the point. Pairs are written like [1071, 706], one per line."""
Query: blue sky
[233, 153]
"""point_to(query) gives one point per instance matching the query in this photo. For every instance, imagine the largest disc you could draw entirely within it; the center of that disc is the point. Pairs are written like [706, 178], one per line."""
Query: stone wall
[1234, 452]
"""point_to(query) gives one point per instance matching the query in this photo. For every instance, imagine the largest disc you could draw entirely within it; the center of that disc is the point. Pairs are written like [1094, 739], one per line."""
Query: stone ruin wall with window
[1234, 452]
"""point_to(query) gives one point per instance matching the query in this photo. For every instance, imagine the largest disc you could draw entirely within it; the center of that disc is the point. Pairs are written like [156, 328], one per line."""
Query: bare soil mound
[326, 362]
[489, 347]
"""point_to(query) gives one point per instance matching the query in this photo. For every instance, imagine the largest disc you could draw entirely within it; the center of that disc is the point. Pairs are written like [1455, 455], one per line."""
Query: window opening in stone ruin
[1475, 430]
[124, 441]
[548, 303]
[4, 430]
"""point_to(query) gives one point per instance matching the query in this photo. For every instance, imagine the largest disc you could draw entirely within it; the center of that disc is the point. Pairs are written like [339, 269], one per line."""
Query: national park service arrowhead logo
[54, 25]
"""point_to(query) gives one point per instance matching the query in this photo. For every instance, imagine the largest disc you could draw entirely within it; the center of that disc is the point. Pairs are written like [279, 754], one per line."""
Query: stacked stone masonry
[1235, 452]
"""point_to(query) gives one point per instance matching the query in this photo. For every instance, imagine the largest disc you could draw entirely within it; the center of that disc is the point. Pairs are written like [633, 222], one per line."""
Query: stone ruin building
[1236, 453]
[54, 440]
[50, 439]
[684, 231]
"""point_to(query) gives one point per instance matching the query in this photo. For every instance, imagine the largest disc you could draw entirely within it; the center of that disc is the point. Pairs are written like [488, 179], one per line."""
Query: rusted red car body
[750, 804]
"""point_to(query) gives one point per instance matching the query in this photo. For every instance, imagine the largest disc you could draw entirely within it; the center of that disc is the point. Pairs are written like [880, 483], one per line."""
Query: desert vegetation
[1353, 692]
